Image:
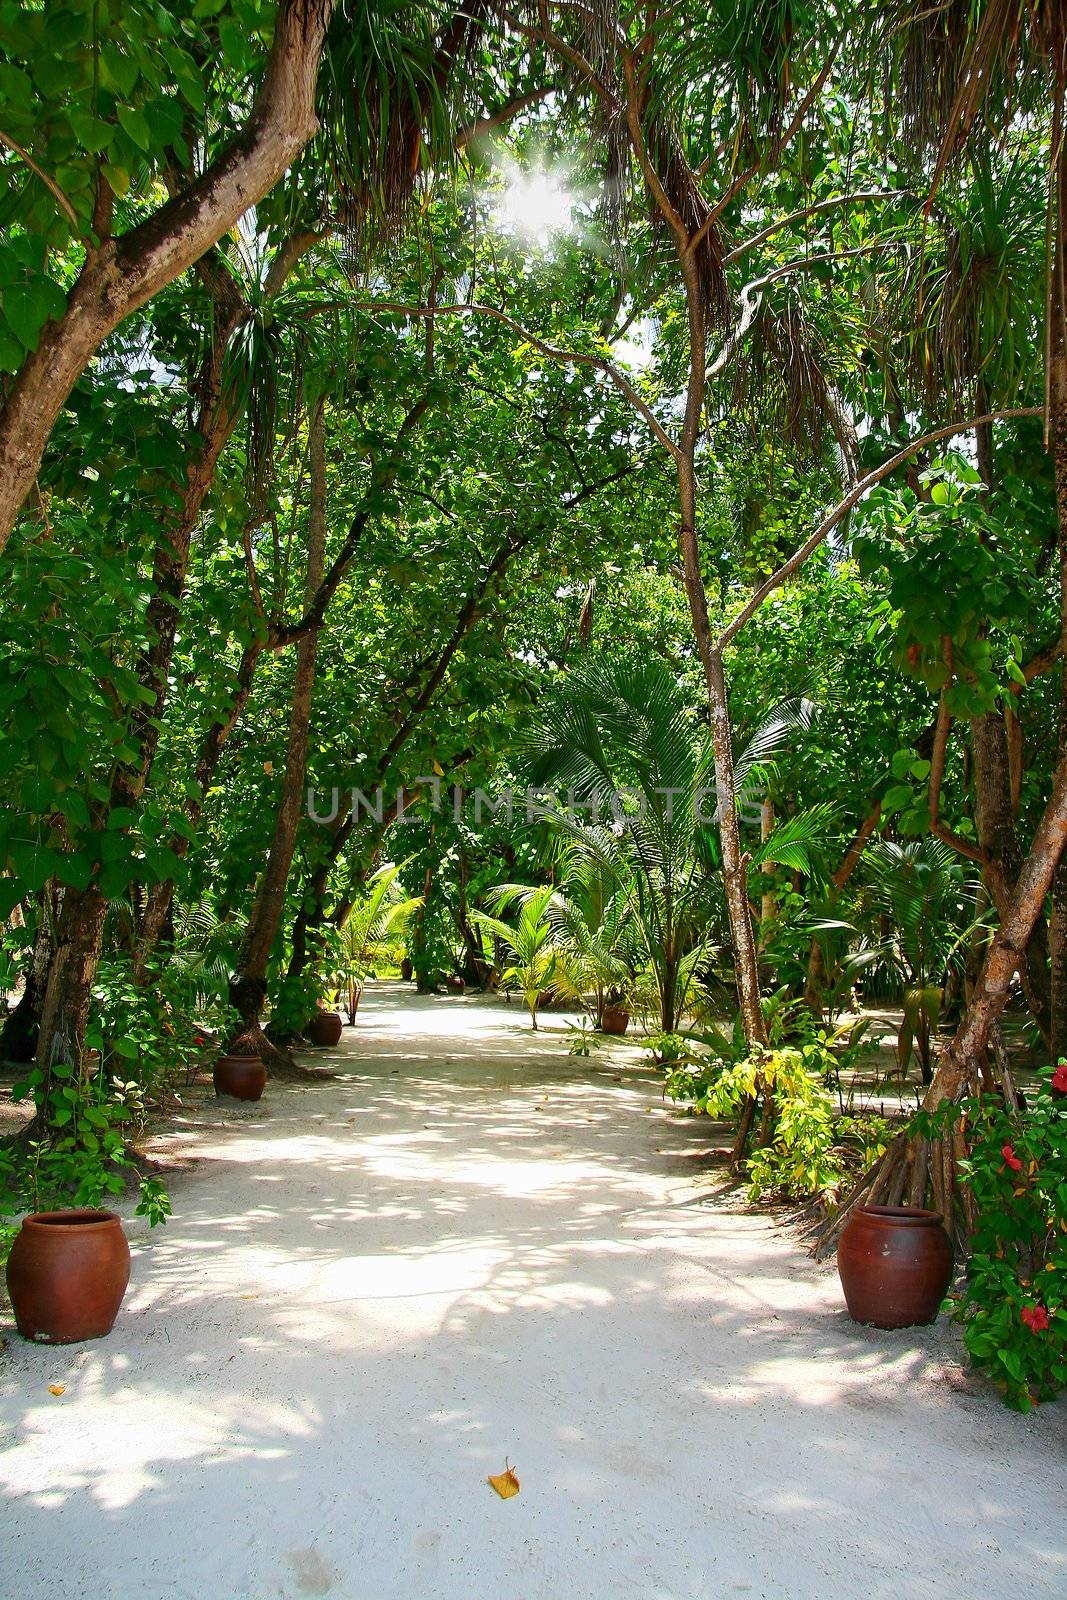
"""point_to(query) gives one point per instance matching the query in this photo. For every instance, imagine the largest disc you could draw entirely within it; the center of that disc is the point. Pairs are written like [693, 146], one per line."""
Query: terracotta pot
[67, 1274]
[455, 984]
[243, 1077]
[406, 970]
[324, 1027]
[895, 1263]
[613, 1019]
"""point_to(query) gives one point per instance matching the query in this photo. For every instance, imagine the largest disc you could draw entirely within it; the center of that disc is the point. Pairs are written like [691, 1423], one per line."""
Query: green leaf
[134, 122]
[92, 132]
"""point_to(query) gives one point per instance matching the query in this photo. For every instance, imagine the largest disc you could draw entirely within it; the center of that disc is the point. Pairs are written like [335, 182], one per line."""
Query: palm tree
[919, 892]
[363, 937]
[529, 939]
[594, 932]
[625, 743]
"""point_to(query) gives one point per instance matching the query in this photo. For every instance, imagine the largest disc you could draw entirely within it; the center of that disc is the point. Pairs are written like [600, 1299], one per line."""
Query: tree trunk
[998, 841]
[122, 274]
[70, 978]
[998, 969]
[249, 986]
[734, 863]
[311, 916]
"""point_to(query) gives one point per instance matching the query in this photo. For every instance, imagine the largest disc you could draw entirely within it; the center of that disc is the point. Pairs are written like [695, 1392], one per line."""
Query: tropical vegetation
[573, 498]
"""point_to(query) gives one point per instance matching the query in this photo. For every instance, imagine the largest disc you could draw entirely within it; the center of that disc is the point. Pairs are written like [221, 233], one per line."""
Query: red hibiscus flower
[1035, 1317]
[1010, 1158]
[1059, 1079]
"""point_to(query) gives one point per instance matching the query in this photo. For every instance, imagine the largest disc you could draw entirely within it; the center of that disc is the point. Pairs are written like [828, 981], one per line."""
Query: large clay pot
[243, 1077]
[67, 1274]
[406, 970]
[614, 1019]
[324, 1027]
[895, 1263]
[455, 984]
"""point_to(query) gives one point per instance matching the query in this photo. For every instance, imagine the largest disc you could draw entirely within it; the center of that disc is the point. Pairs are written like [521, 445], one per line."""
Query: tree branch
[811, 211]
[854, 496]
[571, 357]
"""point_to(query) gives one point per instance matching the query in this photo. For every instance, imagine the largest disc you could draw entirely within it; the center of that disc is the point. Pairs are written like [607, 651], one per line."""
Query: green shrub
[1014, 1304]
[804, 1148]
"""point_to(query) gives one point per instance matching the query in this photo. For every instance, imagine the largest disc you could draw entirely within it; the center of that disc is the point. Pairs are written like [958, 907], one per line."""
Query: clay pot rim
[904, 1216]
[74, 1220]
[228, 1057]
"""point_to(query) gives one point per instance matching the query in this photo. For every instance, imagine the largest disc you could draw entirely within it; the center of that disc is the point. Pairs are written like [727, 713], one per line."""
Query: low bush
[1014, 1303]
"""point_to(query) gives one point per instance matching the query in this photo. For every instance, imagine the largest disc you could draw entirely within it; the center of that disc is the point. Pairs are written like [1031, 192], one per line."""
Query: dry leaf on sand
[57, 1388]
[505, 1483]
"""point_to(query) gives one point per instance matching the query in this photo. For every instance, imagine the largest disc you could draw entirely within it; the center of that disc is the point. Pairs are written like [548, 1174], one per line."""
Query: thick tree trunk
[123, 273]
[249, 987]
[70, 978]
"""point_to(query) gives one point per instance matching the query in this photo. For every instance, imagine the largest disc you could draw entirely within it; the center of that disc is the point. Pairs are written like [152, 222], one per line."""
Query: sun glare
[534, 205]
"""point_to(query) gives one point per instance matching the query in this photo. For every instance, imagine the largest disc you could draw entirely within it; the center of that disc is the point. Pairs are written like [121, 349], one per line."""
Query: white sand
[473, 1247]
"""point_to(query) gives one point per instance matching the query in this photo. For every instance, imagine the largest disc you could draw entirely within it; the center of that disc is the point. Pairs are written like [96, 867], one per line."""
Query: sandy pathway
[474, 1246]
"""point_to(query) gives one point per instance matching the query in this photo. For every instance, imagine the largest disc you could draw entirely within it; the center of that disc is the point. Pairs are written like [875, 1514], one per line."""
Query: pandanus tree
[368, 932]
[698, 159]
[964, 75]
[528, 940]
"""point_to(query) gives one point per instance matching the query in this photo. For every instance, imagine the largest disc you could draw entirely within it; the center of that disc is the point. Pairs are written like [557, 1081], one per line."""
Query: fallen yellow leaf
[57, 1388]
[248, 1297]
[505, 1483]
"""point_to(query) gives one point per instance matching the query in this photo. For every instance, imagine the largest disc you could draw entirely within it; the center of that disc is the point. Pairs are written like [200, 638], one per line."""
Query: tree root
[913, 1171]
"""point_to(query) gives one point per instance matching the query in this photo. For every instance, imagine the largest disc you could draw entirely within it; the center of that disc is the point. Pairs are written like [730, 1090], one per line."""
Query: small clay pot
[243, 1077]
[895, 1264]
[613, 1019]
[406, 970]
[324, 1027]
[67, 1274]
[455, 984]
